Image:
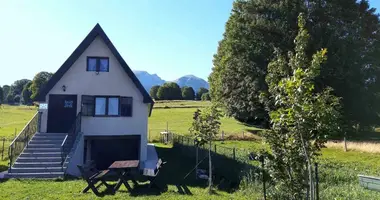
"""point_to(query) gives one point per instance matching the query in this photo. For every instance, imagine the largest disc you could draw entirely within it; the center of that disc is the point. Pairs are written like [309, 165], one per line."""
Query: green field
[338, 169]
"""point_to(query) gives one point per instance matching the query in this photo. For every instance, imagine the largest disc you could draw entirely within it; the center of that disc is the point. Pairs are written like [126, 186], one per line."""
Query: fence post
[316, 182]
[215, 148]
[264, 188]
[234, 153]
[222, 137]
[2, 151]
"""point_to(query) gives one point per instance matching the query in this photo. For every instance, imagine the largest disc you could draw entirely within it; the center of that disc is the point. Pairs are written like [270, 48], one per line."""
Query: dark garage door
[107, 149]
[62, 111]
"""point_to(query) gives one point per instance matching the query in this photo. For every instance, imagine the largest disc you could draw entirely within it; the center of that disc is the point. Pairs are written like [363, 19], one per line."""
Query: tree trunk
[210, 169]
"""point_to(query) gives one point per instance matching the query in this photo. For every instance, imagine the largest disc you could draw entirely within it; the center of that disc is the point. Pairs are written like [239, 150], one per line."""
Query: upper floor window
[98, 64]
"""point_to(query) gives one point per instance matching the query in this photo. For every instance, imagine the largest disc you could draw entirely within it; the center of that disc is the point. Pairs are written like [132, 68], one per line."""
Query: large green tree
[188, 93]
[39, 82]
[349, 29]
[169, 91]
[153, 91]
[6, 89]
[27, 93]
[200, 92]
[18, 86]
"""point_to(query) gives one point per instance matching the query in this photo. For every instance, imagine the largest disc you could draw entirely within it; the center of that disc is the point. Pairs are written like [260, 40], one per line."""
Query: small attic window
[97, 64]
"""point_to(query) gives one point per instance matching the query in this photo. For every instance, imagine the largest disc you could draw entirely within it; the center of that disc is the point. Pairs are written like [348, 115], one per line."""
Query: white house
[96, 88]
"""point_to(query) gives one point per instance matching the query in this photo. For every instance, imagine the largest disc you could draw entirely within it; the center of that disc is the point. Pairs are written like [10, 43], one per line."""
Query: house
[95, 107]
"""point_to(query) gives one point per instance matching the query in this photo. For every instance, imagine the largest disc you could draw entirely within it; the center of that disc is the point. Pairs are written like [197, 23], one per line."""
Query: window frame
[97, 58]
[107, 103]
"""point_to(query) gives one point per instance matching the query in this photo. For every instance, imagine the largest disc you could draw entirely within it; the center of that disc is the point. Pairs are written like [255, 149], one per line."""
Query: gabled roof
[96, 31]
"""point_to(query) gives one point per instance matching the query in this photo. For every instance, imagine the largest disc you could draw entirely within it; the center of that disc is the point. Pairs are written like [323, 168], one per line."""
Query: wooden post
[215, 148]
[2, 151]
[234, 153]
[345, 142]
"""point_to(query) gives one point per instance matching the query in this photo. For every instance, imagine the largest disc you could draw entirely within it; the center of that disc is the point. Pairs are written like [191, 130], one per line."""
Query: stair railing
[70, 138]
[22, 139]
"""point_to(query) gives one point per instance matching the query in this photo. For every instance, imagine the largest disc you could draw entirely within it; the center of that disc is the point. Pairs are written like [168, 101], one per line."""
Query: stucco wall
[115, 82]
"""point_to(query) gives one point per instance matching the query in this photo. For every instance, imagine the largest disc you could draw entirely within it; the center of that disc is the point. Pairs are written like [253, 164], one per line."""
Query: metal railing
[22, 139]
[69, 140]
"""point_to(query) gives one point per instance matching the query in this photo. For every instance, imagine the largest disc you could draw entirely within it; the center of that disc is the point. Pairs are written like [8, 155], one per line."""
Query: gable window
[98, 64]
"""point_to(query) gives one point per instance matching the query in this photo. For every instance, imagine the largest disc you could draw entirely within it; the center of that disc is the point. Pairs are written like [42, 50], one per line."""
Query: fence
[4, 144]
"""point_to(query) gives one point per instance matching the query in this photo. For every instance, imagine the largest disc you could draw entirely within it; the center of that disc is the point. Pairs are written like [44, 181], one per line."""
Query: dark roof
[96, 31]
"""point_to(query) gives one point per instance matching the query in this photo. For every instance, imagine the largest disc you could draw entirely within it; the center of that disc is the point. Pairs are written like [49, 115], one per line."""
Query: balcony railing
[70, 138]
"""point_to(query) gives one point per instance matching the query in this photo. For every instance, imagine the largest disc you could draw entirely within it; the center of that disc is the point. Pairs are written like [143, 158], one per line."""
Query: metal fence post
[264, 188]
[316, 182]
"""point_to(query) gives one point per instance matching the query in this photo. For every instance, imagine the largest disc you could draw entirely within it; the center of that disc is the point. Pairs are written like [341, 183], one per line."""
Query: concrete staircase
[41, 158]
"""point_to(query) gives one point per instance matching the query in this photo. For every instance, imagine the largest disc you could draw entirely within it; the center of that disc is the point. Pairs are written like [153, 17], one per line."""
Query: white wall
[115, 82]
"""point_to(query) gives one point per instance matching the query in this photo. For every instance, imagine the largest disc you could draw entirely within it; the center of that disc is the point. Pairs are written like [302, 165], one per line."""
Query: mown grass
[13, 119]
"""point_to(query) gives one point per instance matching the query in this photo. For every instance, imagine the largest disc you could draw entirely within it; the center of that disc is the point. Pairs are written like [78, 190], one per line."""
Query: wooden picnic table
[123, 169]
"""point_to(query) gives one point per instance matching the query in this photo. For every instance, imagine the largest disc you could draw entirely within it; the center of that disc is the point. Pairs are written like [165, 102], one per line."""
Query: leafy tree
[1, 95]
[17, 99]
[18, 86]
[188, 93]
[206, 97]
[349, 29]
[39, 82]
[301, 117]
[6, 89]
[205, 127]
[27, 93]
[10, 96]
[200, 92]
[153, 91]
[169, 91]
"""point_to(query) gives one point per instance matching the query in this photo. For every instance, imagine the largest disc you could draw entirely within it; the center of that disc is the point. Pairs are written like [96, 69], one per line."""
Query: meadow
[338, 169]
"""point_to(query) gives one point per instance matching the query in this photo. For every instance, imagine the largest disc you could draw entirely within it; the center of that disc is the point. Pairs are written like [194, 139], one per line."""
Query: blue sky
[169, 37]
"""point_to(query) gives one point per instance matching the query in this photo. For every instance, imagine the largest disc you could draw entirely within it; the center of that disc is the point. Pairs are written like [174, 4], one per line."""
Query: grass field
[338, 169]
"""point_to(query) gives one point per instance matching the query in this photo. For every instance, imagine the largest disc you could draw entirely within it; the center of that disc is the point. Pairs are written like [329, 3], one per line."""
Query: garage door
[104, 150]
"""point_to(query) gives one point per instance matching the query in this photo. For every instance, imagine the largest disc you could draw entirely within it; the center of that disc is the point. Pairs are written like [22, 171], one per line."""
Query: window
[98, 64]
[106, 106]
[126, 106]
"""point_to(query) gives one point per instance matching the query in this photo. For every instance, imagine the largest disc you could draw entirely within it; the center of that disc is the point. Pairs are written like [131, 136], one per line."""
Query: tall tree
[18, 85]
[27, 93]
[301, 118]
[200, 92]
[169, 91]
[1, 95]
[153, 91]
[188, 93]
[39, 82]
[348, 28]
[6, 89]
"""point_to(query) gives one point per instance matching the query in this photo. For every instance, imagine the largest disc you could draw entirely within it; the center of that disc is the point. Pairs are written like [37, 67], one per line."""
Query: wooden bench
[152, 177]
[92, 176]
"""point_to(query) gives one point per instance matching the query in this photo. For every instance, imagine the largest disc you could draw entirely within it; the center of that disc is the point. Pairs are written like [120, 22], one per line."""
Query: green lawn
[14, 118]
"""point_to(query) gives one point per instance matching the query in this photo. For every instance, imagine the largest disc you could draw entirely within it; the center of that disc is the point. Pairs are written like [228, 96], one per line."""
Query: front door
[62, 112]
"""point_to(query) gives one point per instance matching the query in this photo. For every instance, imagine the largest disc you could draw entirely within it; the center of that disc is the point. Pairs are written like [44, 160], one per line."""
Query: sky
[171, 38]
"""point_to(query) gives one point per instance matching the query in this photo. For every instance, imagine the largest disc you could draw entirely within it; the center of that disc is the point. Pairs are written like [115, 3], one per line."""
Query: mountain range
[149, 80]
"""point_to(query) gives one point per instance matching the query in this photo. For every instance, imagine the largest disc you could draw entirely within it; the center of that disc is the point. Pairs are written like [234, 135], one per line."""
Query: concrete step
[57, 134]
[40, 150]
[41, 141]
[36, 169]
[39, 137]
[39, 159]
[44, 145]
[41, 154]
[21, 164]
[36, 175]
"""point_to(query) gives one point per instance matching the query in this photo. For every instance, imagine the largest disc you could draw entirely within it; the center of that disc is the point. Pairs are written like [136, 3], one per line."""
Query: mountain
[149, 80]
[192, 81]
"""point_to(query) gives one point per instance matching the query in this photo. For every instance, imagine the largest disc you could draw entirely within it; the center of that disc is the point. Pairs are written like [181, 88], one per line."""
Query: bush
[188, 93]
[205, 97]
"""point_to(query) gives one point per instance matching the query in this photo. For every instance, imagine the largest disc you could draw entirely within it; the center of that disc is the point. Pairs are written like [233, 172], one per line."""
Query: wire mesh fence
[4, 146]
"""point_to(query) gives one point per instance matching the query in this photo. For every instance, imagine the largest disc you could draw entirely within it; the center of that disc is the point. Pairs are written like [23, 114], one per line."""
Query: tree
[349, 29]
[188, 93]
[6, 89]
[1, 95]
[205, 97]
[169, 91]
[27, 93]
[200, 92]
[205, 127]
[39, 82]
[11, 96]
[301, 117]
[18, 86]
[153, 91]
[17, 99]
